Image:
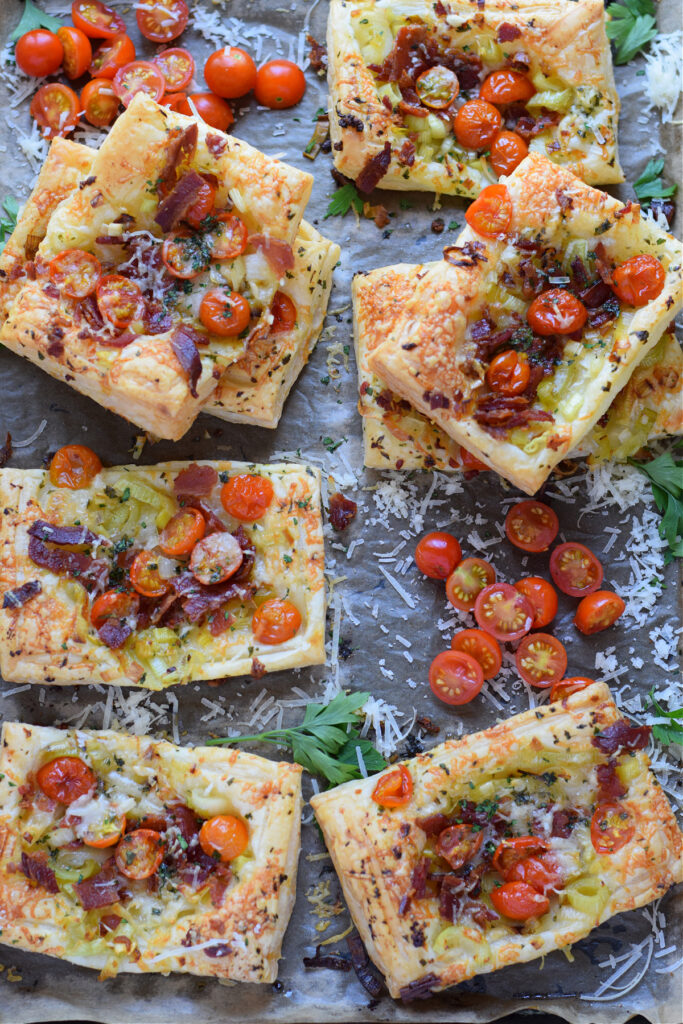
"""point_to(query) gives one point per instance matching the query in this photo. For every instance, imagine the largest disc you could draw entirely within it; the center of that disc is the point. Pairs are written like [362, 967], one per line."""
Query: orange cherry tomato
[162, 20]
[395, 789]
[77, 51]
[229, 239]
[247, 497]
[476, 124]
[111, 55]
[210, 108]
[568, 686]
[119, 299]
[458, 844]
[224, 837]
[224, 313]
[177, 66]
[113, 604]
[184, 255]
[106, 833]
[202, 206]
[508, 149]
[75, 272]
[612, 827]
[96, 20]
[556, 312]
[283, 312]
[482, 647]
[470, 463]
[541, 660]
[531, 525]
[65, 779]
[542, 597]
[575, 569]
[279, 84]
[511, 852]
[145, 575]
[182, 532]
[139, 853]
[598, 611]
[491, 212]
[99, 102]
[508, 373]
[39, 53]
[74, 466]
[437, 554]
[138, 76]
[541, 873]
[437, 87]
[503, 612]
[55, 108]
[467, 580]
[639, 280]
[174, 101]
[506, 86]
[230, 73]
[455, 677]
[519, 901]
[216, 558]
[275, 621]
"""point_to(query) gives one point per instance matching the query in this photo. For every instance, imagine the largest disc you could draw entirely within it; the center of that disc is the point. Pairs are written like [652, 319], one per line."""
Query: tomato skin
[458, 844]
[490, 214]
[174, 101]
[437, 87]
[75, 272]
[575, 569]
[145, 575]
[275, 621]
[215, 558]
[113, 604]
[65, 779]
[108, 838]
[507, 151]
[541, 873]
[177, 66]
[225, 836]
[503, 612]
[506, 86]
[77, 51]
[139, 76]
[541, 660]
[394, 789]
[111, 55]
[96, 20]
[284, 313]
[566, 687]
[598, 611]
[455, 677]
[476, 124]
[612, 827]
[202, 206]
[99, 103]
[639, 280]
[157, 28]
[531, 525]
[542, 597]
[508, 373]
[437, 554]
[210, 108]
[279, 84]
[519, 901]
[119, 299]
[74, 466]
[247, 497]
[230, 73]
[139, 853]
[182, 257]
[230, 240]
[182, 532]
[48, 107]
[470, 463]
[556, 312]
[511, 852]
[482, 647]
[224, 313]
[467, 580]
[39, 53]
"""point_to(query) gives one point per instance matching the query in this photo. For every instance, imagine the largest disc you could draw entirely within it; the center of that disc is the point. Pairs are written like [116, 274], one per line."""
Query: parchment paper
[320, 412]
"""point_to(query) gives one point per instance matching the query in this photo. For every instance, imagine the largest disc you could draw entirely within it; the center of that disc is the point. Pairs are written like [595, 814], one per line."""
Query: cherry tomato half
[566, 687]
[455, 677]
[224, 313]
[437, 554]
[77, 51]
[508, 373]
[556, 312]
[503, 612]
[139, 76]
[519, 901]
[467, 581]
[99, 102]
[74, 466]
[541, 873]
[55, 108]
[513, 851]
[75, 272]
[140, 853]
[182, 532]
[224, 837]
[177, 66]
[230, 73]
[638, 280]
[476, 124]
[575, 569]
[491, 212]
[598, 611]
[508, 149]
[275, 621]
[229, 240]
[145, 575]
[162, 20]
[203, 204]
[184, 255]
[247, 497]
[210, 108]
[541, 660]
[113, 604]
[543, 599]
[283, 312]
[506, 86]
[111, 55]
[216, 558]
[65, 779]
[531, 525]
[279, 84]
[437, 87]
[104, 833]
[39, 53]
[96, 20]
[395, 789]
[470, 463]
[458, 844]
[612, 827]
[174, 101]
[119, 299]
[482, 647]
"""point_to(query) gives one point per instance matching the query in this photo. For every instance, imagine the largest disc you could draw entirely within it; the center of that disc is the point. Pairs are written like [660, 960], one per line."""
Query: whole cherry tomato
[395, 789]
[508, 373]
[275, 621]
[639, 280]
[437, 555]
[279, 84]
[247, 497]
[556, 312]
[210, 108]
[230, 72]
[74, 466]
[476, 124]
[65, 779]
[506, 86]
[224, 313]
[490, 214]
[39, 53]
[508, 149]
[543, 598]
[224, 837]
[598, 611]
[519, 901]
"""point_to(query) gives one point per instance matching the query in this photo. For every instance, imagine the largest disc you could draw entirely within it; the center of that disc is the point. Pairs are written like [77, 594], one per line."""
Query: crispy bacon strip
[77, 535]
[38, 871]
[176, 204]
[16, 598]
[185, 351]
[195, 480]
[181, 149]
[103, 889]
[375, 169]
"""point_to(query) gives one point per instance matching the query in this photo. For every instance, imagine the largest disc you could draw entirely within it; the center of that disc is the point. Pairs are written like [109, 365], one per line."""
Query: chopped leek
[466, 942]
[588, 894]
[551, 99]
[130, 487]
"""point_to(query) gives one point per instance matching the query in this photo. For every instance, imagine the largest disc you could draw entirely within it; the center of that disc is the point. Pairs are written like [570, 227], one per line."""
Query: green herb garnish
[631, 26]
[8, 223]
[342, 201]
[671, 732]
[666, 477]
[650, 185]
[32, 18]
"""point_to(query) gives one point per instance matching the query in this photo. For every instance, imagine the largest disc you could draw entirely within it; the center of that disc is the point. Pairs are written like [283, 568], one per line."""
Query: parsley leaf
[671, 732]
[666, 476]
[631, 26]
[8, 223]
[650, 185]
[32, 18]
[342, 201]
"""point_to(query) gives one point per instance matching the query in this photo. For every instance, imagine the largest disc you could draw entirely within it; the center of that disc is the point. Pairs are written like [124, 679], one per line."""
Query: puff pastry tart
[502, 846]
[126, 854]
[448, 96]
[518, 341]
[150, 576]
[155, 274]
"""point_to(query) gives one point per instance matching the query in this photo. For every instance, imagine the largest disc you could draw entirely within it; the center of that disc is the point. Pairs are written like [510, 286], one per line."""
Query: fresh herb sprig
[631, 26]
[32, 18]
[650, 185]
[342, 201]
[326, 742]
[8, 223]
[672, 731]
[666, 476]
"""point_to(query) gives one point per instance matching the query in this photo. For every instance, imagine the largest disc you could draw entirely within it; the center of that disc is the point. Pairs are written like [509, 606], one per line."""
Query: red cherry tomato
[542, 597]
[482, 647]
[503, 612]
[96, 20]
[556, 312]
[113, 604]
[77, 51]
[467, 580]
[437, 554]
[491, 212]
[437, 87]
[508, 149]
[283, 312]
[470, 463]
[541, 660]
[104, 833]
[598, 611]
[229, 240]
[531, 525]
[541, 873]
[506, 86]
[145, 575]
[476, 124]
[65, 779]
[55, 108]
[111, 55]
[508, 373]
[458, 844]
[455, 678]
[575, 569]
[139, 76]
[511, 852]
[230, 73]
[162, 20]
[210, 108]
[184, 255]
[74, 466]
[119, 299]
[224, 837]
[275, 621]
[39, 53]
[247, 497]
[568, 686]
[182, 532]
[203, 205]
[519, 901]
[174, 101]
[177, 67]
[612, 827]
[395, 789]
[215, 558]
[639, 280]
[224, 313]
[139, 853]
[279, 84]
[75, 272]
[99, 102]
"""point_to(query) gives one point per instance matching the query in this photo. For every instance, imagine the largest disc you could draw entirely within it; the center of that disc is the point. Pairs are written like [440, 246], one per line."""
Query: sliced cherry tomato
[283, 312]
[455, 677]
[482, 647]
[556, 312]
[509, 373]
[575, 569]
[55, 108]
[224, 837]
[203, 204]
[177, 66]
[395, 789]
[519, 901]
[491, 212]
[162, 20]
[612, 827]
[247, 497]
[145, 575]
[139, 853]
[210, 108]
[598, 611]
[182, 532]
[216, 558]
[541, 660]
[229, 240]
[437, 87]
[77, 51]
[184, 255]
[99, 102]
[638, 280]
[96, 20]
[467, 581]
[458, 844]
[470, 463]
[111, 55]
[174, 101]
[74, 466]
[75, 272]
[139, 76]
[113, 604]
[476, 124]
[105, 833]
[503, 612]
[230, 73]
[508, 149]
[541, 873]
[65, 779]
[119, 299]
[506, 86]
[39, 53]
[279, 84]
[224, 313]
[437, 554]
[568, 686]
[531, 525]
[510, 852]
[275, 621]
[542, 597]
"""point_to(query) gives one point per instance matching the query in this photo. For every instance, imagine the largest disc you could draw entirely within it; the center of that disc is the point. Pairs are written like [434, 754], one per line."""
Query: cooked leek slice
[588, 894]
[466, 942]
[501, 298]
[74, 866]
[576, 248]
[489, 50]
[165, 505]
[551, 99]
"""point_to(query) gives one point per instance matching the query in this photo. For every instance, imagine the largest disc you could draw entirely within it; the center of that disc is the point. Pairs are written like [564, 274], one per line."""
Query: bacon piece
[90, 312]
[195, 480]
[37, 870]
[88, 571]
[563, 823]
[102, 889]
[109, 923]
[361, 965]
[249, 551]
[621, 736]
[20, 595]
[118, 340]
[317, 54]
[157, 320]
[507, 32]
[185, 351]
[375, 168]
[423, 988]
[197, 599]
[279, 254]
[609, 784]
[342, 511]
[433, 824]
[63, 534]
[406, 154]
[219, 882]
[181, 148]
[114, 633]
[216, 144]
[596, 295]
[176, 204]
[396, 61]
